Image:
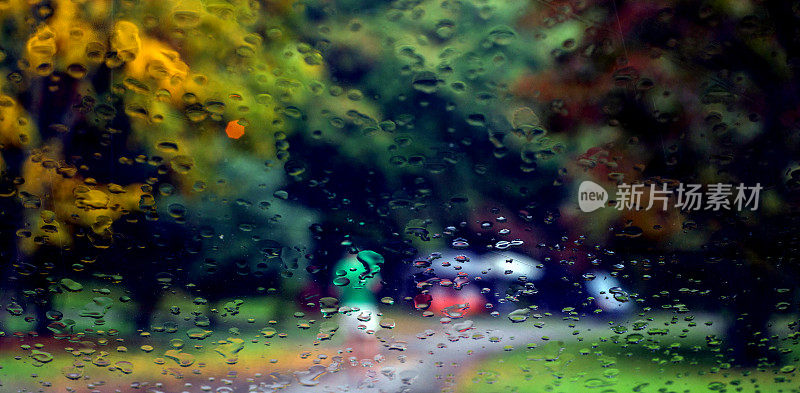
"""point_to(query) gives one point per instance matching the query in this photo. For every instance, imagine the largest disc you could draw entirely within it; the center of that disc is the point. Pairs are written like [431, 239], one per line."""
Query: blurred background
[346, 195]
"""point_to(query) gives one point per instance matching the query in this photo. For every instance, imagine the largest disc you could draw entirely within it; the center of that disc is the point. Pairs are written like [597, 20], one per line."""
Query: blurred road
[447, 351]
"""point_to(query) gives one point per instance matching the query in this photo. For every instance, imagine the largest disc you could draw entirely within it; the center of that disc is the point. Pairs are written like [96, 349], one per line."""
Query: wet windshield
[399, 196]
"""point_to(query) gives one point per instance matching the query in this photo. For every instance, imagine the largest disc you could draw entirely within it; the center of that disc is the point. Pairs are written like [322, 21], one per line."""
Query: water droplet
[426, 82]
[519, 315]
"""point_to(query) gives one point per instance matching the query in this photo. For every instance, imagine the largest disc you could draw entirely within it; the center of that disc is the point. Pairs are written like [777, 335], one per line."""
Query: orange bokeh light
[234, 130]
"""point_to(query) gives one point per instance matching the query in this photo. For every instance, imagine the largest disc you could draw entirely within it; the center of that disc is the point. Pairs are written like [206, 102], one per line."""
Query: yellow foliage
[125, 40]
[161, 67]
[40, 49]
[15, 128]
[182, 69]
[74, 200]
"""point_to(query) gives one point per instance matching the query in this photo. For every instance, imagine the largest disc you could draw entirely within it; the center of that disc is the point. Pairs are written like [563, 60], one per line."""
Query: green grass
[609, 367]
